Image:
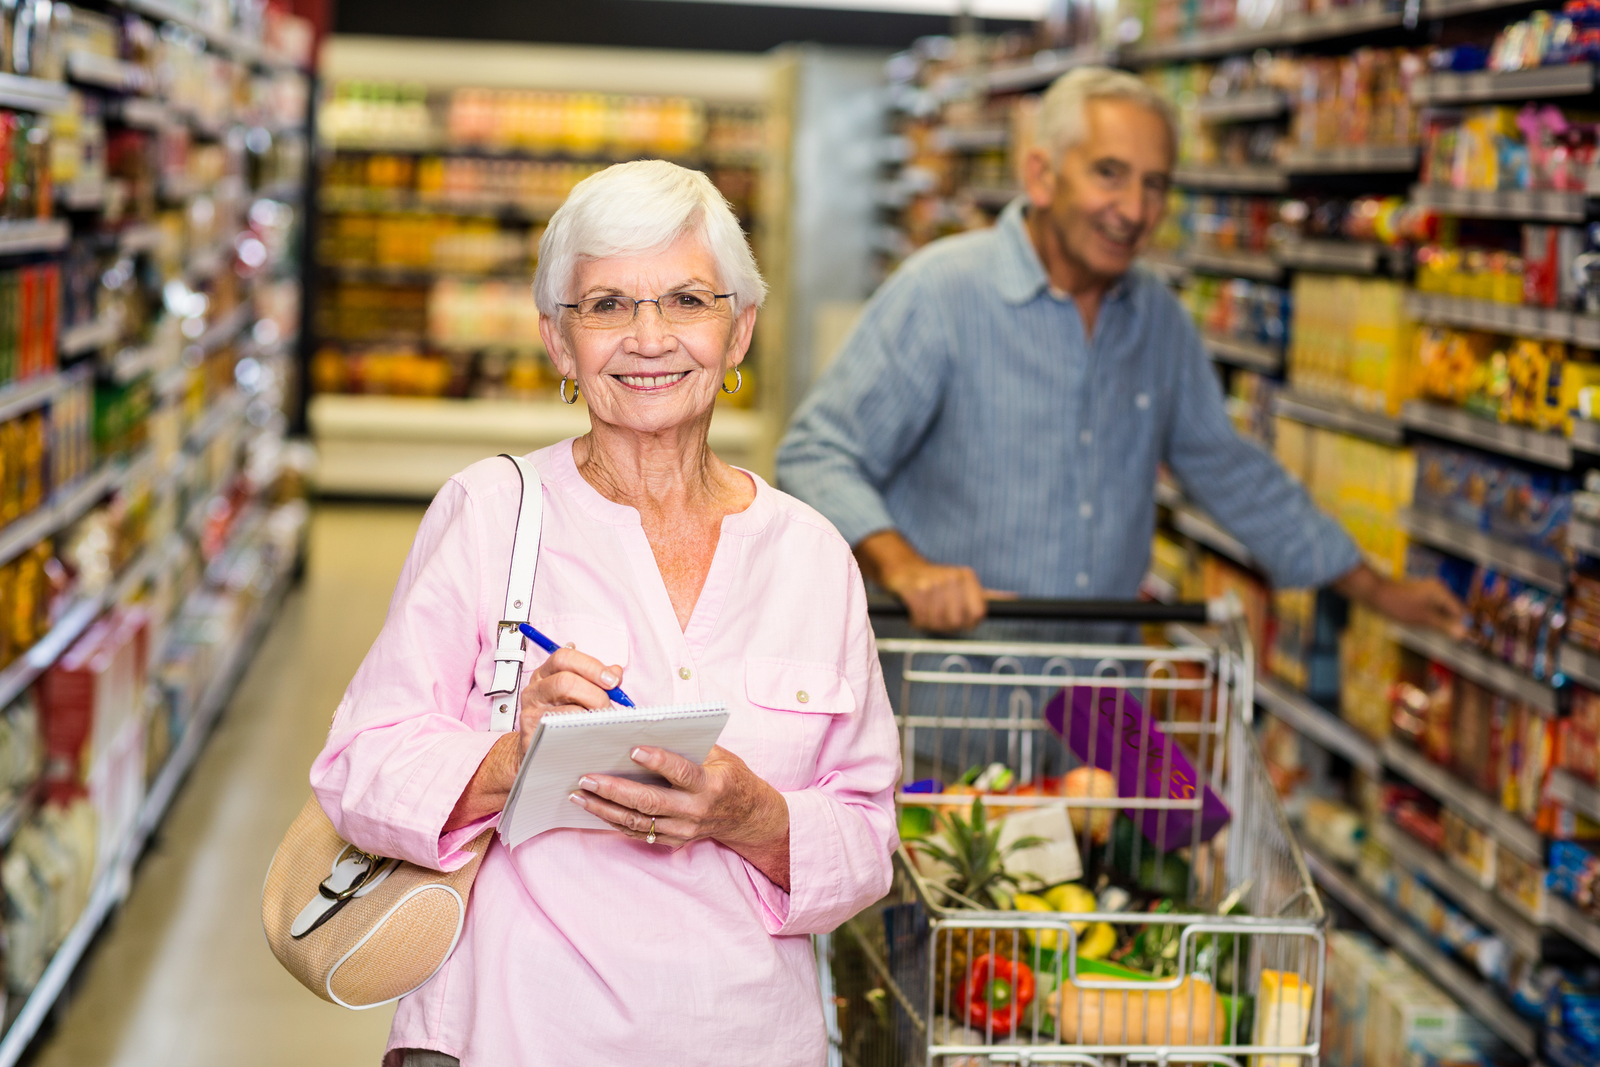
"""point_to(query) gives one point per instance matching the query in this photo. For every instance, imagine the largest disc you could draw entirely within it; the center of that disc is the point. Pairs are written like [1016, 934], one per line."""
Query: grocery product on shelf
[1350, 340]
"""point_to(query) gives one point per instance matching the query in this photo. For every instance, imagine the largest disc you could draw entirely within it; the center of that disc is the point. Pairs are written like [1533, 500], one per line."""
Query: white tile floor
[183, 977]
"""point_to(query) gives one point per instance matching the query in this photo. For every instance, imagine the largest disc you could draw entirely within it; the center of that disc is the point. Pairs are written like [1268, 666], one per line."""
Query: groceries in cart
[1093, 861]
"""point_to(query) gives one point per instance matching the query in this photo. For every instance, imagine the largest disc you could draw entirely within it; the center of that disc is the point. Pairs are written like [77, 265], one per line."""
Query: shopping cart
[1218, 946]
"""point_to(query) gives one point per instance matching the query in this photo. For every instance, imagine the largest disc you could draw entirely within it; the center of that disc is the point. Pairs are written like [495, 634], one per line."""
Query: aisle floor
[183, 977]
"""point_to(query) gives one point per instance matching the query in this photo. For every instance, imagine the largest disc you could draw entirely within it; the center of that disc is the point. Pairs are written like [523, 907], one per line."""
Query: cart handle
[1201, 612]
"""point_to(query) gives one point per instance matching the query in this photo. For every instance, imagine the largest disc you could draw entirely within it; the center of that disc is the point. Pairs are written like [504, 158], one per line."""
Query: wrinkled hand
[568, 680]
[1426, 602]
[720, 800]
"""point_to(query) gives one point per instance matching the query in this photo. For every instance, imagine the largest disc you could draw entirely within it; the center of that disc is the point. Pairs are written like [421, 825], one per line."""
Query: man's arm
[1246, 490]
[870, 410]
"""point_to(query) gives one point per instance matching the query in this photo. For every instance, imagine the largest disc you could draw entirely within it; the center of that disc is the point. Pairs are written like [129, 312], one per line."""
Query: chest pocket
[791, 705]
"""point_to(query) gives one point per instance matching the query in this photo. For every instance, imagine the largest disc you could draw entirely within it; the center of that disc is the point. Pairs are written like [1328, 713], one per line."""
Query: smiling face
[1108, 192]
[650, 375]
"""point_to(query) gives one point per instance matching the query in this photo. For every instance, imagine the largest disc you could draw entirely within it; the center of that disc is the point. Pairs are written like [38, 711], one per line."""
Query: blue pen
[550, 646]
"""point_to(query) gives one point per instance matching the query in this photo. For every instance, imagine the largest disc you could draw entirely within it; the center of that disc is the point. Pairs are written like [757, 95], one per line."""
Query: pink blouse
[583, 946]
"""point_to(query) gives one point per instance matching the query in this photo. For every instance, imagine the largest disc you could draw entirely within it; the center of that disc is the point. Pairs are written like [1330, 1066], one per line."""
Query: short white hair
[1063, 121]
[638, 207]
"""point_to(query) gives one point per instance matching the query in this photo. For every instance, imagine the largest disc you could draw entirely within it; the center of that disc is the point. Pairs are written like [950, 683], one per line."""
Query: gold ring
[650, 838]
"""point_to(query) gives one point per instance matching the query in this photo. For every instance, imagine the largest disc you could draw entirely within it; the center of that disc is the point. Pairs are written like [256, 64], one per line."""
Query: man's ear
[1039, 178]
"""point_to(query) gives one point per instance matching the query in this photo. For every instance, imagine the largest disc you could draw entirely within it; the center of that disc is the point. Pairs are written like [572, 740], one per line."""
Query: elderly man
[996, 419]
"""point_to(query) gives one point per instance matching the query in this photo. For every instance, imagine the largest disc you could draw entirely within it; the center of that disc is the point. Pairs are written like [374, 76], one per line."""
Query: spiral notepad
[568, 746]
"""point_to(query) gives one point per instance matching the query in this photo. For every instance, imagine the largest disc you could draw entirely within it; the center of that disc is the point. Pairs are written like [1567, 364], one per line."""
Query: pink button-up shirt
[584, 946]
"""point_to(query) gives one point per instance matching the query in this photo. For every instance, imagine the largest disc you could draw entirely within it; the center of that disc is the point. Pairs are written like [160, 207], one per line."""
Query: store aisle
[184, 978]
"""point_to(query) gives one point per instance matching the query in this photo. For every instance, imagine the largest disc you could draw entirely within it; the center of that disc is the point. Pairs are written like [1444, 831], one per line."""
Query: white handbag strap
[508, 650]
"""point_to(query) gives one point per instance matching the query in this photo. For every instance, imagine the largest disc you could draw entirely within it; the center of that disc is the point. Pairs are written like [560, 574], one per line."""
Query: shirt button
[1086, 509]
[1142, 401]
[1083, 580]
[802, 696]
[684, 672]
[1086, 436]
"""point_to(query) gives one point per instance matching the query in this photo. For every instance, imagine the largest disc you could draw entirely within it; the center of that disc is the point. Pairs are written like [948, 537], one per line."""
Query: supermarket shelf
[1569, 920]
[1045, 67]
[1294, 29]
[1200, 526]
[1472, 805]
[1336, 415]
[1166, 266]
[406, 446]
[112, 886]
[246, 51]
[1571, 79]
[1168, 495]
[1468, 661]
[1547, 205]
[33, 235]
[1251, 105]
[1356, 159]
[130, 363]
[1476, 995]
[1583, 536]
[1317, 723]
[1243, 353]
[1440, 420]
[89, 336]
[1343, 257]
[1441, 9]
[1505, 318]
[1581, 666]
[1246, 179]
[33, 94]
[65, 508]
[1158, 589]
[1571, 791]
[24, 396]
[1258, 265]
[1482, 904]
[970, 139]
[103, 72]
[337, 200]
[1458, 539]
[141, 237]
[81, 196]
[225, 329]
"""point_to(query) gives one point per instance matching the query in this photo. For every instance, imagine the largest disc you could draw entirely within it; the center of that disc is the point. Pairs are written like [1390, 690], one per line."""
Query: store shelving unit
[1454, 424]
[186, 467]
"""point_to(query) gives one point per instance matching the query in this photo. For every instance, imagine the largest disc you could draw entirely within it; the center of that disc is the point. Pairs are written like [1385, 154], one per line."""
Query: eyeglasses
[682, 307]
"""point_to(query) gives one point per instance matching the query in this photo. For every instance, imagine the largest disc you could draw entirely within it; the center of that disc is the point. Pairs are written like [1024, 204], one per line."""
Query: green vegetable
[915, 822]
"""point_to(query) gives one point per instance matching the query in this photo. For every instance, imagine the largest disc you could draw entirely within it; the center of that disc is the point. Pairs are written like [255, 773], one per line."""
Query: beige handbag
[362, 930]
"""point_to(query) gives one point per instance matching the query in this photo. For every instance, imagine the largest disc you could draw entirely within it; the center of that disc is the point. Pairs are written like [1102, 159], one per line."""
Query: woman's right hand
[568, 680]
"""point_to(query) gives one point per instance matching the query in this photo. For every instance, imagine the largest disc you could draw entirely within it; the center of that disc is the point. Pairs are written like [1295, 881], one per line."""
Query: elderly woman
[684, 579]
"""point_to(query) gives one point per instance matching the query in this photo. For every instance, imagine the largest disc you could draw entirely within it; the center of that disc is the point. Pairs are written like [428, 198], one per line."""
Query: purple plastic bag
[1161, 760]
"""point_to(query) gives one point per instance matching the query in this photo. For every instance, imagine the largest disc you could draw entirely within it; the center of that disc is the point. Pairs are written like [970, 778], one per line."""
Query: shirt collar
[1019, 275]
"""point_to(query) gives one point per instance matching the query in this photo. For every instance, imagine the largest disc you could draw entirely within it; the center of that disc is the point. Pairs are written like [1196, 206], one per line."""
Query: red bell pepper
[997, 992]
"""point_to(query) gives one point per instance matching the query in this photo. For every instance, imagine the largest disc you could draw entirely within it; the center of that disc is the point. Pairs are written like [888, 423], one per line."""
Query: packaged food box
[1469, 849]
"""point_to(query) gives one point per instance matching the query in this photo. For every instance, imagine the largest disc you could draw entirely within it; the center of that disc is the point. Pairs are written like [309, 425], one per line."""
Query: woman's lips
[648, 383]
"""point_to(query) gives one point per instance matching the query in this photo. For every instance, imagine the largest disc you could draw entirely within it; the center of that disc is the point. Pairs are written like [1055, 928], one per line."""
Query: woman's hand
[720, 800]
[567, 680]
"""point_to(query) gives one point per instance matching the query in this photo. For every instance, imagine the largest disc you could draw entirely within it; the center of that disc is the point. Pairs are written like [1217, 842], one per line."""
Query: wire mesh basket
[1194, 935]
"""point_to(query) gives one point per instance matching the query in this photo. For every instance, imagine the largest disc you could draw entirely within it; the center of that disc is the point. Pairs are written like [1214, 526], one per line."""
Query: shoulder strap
[508, 649]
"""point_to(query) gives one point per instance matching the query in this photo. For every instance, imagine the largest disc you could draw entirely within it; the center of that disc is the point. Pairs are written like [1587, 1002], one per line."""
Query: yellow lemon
[1071, 897]
[1100, 940]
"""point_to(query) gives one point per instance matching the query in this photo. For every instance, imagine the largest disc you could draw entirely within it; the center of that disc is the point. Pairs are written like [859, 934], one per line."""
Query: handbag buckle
[354, 870]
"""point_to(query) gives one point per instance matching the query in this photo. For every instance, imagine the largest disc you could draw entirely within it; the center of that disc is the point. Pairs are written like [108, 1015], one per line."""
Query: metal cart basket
[1219, 948]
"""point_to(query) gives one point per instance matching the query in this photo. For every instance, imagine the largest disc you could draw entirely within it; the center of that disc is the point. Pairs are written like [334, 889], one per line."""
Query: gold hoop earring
[562, 390]
[738, 382]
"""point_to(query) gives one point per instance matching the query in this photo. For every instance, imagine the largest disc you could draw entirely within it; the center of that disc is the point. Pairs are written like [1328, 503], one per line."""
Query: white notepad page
[568, 746]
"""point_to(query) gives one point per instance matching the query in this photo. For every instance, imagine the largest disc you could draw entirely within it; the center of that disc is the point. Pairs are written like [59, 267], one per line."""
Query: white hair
[631, 208]
[1062, 118]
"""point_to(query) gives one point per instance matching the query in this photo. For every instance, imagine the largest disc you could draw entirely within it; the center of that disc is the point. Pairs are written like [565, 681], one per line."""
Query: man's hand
[1417, 602]
[941, 598]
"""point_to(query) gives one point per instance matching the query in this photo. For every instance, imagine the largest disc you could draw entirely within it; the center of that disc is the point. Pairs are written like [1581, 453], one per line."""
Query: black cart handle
[1142, 611]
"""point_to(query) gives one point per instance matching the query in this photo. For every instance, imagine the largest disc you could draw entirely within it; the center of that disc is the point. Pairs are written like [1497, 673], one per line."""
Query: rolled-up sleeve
[842, 829]
[1243, 487]
[869, 411]
[400, 752]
